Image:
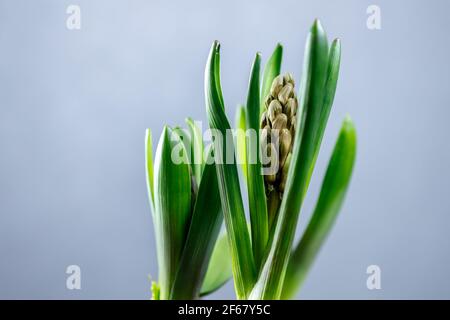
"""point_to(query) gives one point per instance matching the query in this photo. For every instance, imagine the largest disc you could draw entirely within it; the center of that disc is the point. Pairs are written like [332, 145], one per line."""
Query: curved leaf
[227, 176]
[203, 232]
[329, 92]
[255, 181]
[172, 187]
[332, 194]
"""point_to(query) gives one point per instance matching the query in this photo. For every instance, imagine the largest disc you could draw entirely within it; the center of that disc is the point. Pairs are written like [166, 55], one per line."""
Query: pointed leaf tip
[317, 27]
[317, 24]
[271, 70]
[348, 125]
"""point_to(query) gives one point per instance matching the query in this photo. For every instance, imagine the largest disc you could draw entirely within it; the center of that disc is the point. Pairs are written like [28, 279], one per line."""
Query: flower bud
[263, 121]
[277, 84]
[291, 107]
[285, 145]
[288, 78]
[280, 122]
[275, 109]
[285, 93]
[272, 166]
[293, 126]
[277, 136]
[265, 136]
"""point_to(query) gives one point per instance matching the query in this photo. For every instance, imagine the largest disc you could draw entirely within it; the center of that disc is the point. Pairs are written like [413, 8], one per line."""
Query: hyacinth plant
[190, 198]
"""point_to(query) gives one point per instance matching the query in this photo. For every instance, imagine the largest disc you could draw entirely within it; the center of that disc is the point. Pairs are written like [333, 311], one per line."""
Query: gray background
[74, 106]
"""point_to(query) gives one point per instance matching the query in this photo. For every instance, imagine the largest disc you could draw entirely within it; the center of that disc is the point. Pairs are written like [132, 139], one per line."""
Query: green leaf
[255, 180]
[219, 269]
[329, 92]
[270, 281]
[203, 232]
[149, 167]
[233, 209]
[331, 197]
[186, 139]
[172, 187]
[196, 149]
[240, 139]
[271, 71]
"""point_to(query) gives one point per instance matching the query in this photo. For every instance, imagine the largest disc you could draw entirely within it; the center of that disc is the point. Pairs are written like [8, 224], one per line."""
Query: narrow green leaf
[216, 66]
[329, 92]
[331, 197]
[219, 269]
[149, 167]
[196, 149]
[172, 187]
[227, 175]
[255, 180]
[271, 70]
[334, 63]
[240, 139]
[271, 278]
[203, 232]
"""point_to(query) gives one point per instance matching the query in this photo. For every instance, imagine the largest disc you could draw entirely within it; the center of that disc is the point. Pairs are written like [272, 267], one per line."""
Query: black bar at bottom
[223, 309]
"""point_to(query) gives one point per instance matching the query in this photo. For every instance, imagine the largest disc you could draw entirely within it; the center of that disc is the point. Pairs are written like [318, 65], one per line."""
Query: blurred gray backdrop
[74, 106]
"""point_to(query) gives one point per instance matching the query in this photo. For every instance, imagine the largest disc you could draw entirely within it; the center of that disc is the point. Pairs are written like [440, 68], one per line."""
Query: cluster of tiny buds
[278, 125]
